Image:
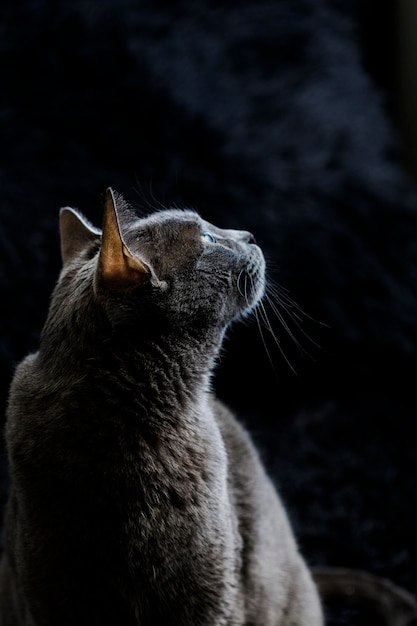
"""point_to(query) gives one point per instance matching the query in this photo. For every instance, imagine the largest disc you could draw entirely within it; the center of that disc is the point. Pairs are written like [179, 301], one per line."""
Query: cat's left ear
[117, 267]
[76, 233]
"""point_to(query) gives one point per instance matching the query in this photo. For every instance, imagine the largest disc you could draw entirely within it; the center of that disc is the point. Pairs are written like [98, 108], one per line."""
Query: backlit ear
[117, 267]
[76, 233]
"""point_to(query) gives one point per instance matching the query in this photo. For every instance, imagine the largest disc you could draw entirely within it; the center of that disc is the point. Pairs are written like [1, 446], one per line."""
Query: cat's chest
[127, 456]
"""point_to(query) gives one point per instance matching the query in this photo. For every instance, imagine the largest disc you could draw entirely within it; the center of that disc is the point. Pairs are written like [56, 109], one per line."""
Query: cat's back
[251, 488]
[27, 388]
[274, 575]
[36, 396]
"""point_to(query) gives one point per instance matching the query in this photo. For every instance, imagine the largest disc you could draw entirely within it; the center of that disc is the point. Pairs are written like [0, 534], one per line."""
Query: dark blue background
[272, 116]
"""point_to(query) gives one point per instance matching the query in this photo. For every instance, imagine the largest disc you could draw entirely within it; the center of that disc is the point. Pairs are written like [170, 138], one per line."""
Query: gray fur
[136, 497]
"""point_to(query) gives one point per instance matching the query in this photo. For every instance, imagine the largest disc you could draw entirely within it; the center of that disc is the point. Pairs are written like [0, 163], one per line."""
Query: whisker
[293, 310]
[285, 325]
[259, 324]
[238, 284]
[282, 294]
[297, 323]
[276, 340]
[290, 316]
[148, 198]
[246, 288]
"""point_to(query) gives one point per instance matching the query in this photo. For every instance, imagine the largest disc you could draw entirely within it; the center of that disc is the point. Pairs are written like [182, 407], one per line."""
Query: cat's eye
[208, 236]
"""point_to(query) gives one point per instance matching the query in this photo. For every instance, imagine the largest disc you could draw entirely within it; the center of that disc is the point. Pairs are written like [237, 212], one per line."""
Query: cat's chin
[256, 298]
[257, 282]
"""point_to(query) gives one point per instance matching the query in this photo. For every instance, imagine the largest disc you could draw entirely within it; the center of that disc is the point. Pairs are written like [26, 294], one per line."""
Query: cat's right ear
[117, 267]
[76, 233]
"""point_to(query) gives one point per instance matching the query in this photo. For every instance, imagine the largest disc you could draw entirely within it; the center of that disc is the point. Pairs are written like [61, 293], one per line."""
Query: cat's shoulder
[25, 374]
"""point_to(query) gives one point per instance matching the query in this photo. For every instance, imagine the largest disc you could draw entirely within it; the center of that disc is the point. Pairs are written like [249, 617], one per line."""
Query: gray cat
[136, 498]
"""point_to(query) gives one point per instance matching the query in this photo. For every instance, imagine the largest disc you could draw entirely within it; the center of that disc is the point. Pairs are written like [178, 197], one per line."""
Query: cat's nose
[243, 236]
[249, 238]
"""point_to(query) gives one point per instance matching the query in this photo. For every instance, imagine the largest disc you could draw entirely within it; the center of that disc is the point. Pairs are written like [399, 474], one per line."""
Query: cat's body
[136, 497]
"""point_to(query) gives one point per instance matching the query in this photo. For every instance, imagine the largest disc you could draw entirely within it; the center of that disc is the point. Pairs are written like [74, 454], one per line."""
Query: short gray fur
[136, 497]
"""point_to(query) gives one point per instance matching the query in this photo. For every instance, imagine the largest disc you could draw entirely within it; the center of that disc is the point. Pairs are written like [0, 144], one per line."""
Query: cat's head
[172, 266]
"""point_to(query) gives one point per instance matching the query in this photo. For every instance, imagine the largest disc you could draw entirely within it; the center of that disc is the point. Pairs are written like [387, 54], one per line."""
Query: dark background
[279, 117]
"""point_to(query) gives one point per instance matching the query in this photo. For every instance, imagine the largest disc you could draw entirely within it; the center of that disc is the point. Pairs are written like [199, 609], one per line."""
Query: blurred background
[294, 119]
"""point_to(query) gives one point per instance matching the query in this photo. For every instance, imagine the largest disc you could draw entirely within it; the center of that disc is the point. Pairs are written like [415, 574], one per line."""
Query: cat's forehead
[164, 219]
[174, 215]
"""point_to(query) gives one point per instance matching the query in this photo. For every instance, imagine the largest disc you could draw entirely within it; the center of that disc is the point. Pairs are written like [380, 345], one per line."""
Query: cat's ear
[76, 233]
[117, 267]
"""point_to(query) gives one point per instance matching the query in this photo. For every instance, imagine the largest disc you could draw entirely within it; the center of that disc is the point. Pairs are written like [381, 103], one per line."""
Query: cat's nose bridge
[243, 235]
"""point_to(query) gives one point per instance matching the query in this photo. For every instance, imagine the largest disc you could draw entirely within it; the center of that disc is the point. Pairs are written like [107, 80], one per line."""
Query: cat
[136, 497]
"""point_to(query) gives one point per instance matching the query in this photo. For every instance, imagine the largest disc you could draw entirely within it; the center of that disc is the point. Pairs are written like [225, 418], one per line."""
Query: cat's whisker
[281, 294]
[262, 318]
[148, 199]
[287, 311]
[279, 298]
[246, 289]
[276, 340]
[258, 314]
[285, 325]
[298, 322]
[238, 284]
[284, 308]
[244, 293]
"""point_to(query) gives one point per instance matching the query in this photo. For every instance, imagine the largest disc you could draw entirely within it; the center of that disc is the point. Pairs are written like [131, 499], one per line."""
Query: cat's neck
[177, 363]
[172, 361]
